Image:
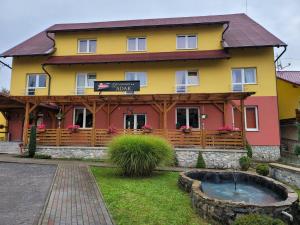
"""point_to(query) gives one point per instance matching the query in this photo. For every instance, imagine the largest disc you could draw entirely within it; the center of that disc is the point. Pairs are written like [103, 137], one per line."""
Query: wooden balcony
[101, 137]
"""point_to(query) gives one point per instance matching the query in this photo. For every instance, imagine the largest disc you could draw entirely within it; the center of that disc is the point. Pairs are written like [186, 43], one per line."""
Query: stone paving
[23, 192]
[75, 199]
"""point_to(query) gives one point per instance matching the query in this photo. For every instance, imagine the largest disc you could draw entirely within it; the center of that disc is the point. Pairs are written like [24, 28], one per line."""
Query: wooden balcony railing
[101, 137]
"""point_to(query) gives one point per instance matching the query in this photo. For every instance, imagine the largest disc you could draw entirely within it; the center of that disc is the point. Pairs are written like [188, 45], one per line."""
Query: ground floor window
[251, 118]
[83, 118]
[187, 117]
[134, 121]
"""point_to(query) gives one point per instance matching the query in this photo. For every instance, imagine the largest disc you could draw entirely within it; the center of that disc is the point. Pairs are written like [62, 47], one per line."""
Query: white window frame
[134, 119]
[186, 41]
[187, 114]
[256, 118]
[88, 45]
[136, 44]
[37, 80]
[85, 81]
[243, 83]
[84, 117]
[186, 80]
[136, 73]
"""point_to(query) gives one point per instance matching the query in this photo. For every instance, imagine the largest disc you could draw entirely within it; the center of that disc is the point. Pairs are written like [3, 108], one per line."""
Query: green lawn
[156, 200]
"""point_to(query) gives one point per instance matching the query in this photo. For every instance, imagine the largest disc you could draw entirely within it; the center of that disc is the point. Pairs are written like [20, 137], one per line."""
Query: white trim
[84, 117]
[186, 73]
[256, 118]
[87, 47]
[85, 81]
[243, 83]
[37, 81]
[134, 119]
[136, 44]
[186, 41]
[136, 76]
[188, 116]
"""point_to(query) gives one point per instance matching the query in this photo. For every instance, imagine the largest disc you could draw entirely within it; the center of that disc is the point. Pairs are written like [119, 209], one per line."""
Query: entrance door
[134, 121]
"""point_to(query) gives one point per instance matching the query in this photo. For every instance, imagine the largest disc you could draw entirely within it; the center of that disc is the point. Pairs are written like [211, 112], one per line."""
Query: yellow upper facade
[288, 99]
[213, 76]
[2, 122]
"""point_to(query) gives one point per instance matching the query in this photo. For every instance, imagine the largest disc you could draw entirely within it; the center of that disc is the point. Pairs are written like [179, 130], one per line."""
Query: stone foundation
[74, 152]
[286, 174]
[266, 153]
[214, 158]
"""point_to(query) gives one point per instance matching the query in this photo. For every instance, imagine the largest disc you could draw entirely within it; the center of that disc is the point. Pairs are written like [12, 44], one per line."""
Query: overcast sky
[21, 19]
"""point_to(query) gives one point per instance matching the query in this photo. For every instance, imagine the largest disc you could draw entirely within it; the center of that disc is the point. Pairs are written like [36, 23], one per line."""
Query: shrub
[245, 162]
[249, 150]
[257, 219]
[139, 155]
[262, 169]
[42, 156]
[200, 161]
[297, 150]
[32, 142]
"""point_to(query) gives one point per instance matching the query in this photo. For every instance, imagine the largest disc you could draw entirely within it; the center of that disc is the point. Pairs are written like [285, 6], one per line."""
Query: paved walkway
[75, 199]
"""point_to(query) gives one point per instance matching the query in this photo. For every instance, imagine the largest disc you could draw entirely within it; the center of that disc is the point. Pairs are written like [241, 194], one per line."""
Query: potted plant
[111, 130]
[225, 130]
[147, 128]
[73, 128]
[41, 128]
[186, 129]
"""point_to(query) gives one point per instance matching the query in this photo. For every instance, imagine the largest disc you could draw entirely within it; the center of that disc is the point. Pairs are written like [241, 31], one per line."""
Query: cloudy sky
[20, 19]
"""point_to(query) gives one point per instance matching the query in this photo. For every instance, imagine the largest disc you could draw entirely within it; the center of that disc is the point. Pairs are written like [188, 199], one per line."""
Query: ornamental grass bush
[139, 155]
[245, 163]
[256, 219]
[262, 169]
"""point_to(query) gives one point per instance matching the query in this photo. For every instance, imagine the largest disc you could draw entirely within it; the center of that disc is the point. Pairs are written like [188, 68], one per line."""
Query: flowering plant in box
[111, 130]
[41, 127]
[186, 129]
[225, 128]
[147, 128]
[73, 128]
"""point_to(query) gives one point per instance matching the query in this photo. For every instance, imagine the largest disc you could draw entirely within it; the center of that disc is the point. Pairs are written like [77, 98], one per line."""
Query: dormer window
[186, 41]
[136, 44]
[87, 46]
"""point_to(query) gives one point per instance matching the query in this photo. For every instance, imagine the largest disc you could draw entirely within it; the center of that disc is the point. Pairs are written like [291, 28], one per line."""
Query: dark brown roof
[242, 32]
[289, 76]
[137, 57]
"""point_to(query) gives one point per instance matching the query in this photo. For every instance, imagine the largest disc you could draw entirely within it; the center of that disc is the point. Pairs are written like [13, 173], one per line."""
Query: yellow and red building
[206, 72]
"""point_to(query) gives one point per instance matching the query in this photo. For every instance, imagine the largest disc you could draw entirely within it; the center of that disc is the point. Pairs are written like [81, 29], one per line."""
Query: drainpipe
[53, 49]
[285, 48]
[49, 78]
[224, 31]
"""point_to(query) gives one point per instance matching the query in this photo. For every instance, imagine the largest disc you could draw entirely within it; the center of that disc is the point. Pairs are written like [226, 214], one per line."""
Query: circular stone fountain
[223, 195]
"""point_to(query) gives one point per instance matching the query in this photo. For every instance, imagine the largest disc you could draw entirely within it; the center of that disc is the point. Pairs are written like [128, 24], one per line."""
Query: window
[187, 117]
[35, 81]
[134, 121]
[243, 76]
[87, 46]
[136, 44]
[83, 118]
[185, 79]
[251, 118]
[84, 80]
[141, 76]
[186, 41]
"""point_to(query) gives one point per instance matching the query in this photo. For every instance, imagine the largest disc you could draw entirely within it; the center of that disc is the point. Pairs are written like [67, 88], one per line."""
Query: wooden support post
[243, 122]
[93, 134]
[58, 137]
[165, 115]
[224, 113]
[108, 115]
[25, 125]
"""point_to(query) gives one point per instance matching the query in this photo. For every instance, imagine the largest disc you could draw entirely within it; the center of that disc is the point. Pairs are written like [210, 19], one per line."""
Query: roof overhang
[137, 57]
[137, 98]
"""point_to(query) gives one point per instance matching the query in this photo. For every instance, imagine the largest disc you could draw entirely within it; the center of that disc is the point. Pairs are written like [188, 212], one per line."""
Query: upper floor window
[136, 44]
[243, 76]
[186, 41]
[35, 81]
[87, 46]
[185, 79]
[141, 76]
[84, 80]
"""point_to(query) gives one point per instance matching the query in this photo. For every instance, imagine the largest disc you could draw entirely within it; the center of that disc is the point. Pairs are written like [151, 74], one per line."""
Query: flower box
[111, 130]
[73, 128]
[147, 129]
[186, 129]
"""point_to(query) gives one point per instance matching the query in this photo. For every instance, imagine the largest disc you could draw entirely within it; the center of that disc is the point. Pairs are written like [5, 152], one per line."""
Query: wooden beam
[158, 106]
[171, 106]
[155, 108]
[87, 106]
[165, 115]
[33, 107]
[26, 123]
[100, 107]
[219, 107]
[235, 105]
[224, 113]
[114, 108]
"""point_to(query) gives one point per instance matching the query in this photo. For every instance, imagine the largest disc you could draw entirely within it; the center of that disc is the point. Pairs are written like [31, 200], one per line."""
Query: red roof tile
[289, 76]
[137, 57]
[242, 32]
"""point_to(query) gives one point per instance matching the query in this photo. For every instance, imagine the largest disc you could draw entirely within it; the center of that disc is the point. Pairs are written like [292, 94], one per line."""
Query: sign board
[122, 86]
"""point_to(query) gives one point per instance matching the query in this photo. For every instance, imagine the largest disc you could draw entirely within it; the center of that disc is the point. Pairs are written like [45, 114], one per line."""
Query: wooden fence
[101, 137]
